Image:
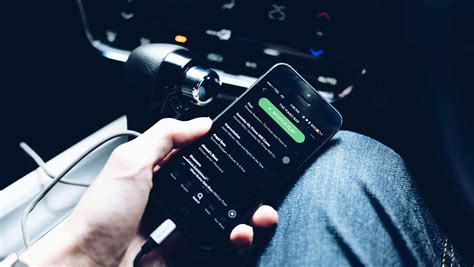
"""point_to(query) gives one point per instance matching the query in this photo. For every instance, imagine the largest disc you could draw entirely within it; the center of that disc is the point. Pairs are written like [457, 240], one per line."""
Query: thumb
[167, 134]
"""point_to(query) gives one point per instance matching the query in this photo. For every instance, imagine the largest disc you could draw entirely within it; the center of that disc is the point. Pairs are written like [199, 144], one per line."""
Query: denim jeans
[355, 205]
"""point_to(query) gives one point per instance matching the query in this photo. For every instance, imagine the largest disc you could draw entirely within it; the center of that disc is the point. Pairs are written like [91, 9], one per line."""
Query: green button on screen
[281, 120]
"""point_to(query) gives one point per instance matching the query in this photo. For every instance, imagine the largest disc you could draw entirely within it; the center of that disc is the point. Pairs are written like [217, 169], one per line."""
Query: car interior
[397, 71]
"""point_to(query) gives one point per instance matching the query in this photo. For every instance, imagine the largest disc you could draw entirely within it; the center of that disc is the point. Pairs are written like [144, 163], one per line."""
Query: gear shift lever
[166, 82]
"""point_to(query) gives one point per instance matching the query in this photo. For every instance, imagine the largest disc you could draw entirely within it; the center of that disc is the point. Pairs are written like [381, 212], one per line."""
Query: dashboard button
[111, 36]
[277, 12]
[227, 5]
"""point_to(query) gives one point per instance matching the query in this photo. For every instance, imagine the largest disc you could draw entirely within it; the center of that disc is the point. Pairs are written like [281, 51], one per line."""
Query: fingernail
[204, 120]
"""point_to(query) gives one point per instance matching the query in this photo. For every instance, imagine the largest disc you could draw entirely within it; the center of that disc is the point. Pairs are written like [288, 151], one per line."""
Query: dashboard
[321, 39]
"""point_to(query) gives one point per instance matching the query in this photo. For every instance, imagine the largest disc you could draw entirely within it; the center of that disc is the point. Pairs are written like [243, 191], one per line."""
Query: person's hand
[103, 228]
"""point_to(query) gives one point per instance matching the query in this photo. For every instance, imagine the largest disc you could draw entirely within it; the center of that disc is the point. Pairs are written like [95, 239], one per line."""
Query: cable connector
[163, 231]
[156, 238]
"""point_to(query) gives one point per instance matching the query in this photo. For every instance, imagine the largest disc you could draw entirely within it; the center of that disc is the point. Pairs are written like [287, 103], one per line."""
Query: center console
[241, 39]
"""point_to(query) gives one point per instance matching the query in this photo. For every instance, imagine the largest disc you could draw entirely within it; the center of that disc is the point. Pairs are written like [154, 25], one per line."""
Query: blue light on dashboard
[316, 53]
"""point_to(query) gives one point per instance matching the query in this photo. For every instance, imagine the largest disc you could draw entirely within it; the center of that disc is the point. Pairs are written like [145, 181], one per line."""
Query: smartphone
[253, 147]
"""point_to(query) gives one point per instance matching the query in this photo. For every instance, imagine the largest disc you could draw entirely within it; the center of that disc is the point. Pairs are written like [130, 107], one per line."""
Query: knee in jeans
[362, 159]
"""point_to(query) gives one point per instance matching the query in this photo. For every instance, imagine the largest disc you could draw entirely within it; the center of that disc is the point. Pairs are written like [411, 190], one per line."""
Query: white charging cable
[57, 179]
[156, 237]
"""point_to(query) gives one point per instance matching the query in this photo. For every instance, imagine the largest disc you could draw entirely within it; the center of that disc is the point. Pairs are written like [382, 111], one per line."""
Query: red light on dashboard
[324, 15]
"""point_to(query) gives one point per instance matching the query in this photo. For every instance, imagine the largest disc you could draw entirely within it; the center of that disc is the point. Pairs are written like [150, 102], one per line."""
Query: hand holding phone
[253, 147]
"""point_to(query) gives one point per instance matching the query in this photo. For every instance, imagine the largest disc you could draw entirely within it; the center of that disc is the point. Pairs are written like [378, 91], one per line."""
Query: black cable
[156, 238]
[146, 248]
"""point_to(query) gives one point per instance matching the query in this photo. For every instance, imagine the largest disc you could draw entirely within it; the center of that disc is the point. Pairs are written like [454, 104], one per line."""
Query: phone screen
[254, 146]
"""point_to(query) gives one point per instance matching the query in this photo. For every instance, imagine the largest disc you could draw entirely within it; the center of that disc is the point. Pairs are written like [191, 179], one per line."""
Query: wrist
[45, 257]
[57, 248]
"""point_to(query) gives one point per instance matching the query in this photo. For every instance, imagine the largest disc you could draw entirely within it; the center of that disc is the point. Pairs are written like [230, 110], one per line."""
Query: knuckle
[124, 157]
[126, 164]
[166, 128]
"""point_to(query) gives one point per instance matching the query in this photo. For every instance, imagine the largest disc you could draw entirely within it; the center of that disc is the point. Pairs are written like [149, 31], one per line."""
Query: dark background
[56, 88]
